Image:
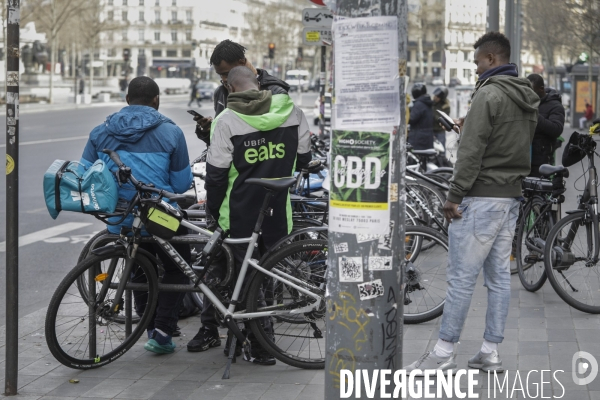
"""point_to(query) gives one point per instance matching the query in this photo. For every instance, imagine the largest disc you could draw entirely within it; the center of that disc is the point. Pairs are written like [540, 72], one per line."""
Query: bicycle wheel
[532, 232]
[426, 255]
[429, 202]
[297, 340]
[568, 261]
[79, 333]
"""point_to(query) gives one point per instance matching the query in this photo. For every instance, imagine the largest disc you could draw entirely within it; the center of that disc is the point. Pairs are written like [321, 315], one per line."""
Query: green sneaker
[160, 344]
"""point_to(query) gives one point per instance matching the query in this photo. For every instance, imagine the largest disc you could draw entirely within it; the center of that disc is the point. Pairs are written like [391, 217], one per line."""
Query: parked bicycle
[88, 327]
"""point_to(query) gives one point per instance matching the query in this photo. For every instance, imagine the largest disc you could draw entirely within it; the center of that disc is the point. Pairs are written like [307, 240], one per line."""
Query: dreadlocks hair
[495, 43]
[227, 51]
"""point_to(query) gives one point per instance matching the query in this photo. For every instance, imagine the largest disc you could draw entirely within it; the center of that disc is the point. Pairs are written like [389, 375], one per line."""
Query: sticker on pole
[10, 166]
[359, 198]
[351, 269]
[370, 290]
[380, 263]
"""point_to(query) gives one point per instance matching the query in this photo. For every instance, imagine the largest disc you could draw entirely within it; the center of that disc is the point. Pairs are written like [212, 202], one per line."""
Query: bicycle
[538, 216]
[121, 278]
[572, 246]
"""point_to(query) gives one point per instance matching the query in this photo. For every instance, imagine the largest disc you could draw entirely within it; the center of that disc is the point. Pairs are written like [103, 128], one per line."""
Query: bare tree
[426, 18]
[282, 27]
[541, 24]
[51, 16]
[92, 23]
[586, 18]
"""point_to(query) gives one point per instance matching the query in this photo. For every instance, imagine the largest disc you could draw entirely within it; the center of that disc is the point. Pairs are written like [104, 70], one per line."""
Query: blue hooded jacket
[147, 142]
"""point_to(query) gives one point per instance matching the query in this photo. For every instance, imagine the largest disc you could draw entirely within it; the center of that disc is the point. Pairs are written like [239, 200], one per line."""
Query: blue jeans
[481, 238]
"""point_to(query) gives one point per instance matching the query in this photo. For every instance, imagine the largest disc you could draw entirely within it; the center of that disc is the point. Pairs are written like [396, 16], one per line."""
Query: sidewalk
[542, 333]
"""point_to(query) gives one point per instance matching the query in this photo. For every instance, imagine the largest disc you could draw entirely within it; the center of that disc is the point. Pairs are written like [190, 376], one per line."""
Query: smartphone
[446, 117]
[194, 113]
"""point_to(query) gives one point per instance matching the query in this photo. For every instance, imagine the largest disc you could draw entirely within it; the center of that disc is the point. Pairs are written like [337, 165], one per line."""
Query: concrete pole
[509, 26]
[493, 17]
[365, 332]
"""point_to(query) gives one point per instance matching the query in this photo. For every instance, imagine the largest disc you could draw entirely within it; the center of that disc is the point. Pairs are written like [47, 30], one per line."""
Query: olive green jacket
[494, 153]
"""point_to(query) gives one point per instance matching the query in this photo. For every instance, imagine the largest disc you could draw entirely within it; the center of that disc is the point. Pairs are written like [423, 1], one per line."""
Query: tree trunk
[52, 61]
[591, 92]
[91, 70]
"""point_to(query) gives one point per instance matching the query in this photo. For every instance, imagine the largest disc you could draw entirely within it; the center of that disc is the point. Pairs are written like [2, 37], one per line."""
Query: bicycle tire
[433, 199]
[273, 346]
[421, 243]
[531, 274]
[575, 283]
[82, 359]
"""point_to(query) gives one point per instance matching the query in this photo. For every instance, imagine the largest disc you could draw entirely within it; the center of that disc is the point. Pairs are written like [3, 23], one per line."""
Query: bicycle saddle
[547, 170]
[428, 152]
[275, 184]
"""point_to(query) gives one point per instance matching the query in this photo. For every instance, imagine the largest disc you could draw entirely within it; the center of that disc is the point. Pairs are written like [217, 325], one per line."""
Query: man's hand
[451, 211]
[204, 123]
[460, 122]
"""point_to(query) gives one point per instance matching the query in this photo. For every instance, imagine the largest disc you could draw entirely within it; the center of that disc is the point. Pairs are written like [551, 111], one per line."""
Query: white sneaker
[430, 361]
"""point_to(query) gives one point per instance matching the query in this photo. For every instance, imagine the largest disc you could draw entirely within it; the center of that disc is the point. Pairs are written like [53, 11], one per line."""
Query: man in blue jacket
[155, 150]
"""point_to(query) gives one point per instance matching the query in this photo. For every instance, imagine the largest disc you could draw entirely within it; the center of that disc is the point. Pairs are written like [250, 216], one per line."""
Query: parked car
[454, 82]
[437, 81]
[205, 90]
[317, 113]
[173, 85]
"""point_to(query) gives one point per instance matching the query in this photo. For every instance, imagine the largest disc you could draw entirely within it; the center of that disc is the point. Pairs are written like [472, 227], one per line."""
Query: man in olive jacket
[493, 157]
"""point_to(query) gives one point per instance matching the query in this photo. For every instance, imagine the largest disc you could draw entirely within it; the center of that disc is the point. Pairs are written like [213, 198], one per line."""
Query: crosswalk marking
[46, 233]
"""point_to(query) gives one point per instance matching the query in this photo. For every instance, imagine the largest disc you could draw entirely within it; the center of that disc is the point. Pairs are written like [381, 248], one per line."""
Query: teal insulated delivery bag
[69, 186]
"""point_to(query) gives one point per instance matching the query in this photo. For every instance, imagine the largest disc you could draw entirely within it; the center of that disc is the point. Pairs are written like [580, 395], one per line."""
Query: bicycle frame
[229, 312]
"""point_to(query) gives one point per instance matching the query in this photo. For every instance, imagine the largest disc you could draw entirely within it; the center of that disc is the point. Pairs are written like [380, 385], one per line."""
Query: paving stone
[247, 391]
[533, 335]
[42, 385]
[109, 388]
[533, 348]
[176, 390]
[279, 391]
[67, 389]
[562, 335]
[142, 389]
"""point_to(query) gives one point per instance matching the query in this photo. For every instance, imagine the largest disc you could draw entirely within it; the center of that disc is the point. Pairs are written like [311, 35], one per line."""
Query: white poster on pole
[367, 90]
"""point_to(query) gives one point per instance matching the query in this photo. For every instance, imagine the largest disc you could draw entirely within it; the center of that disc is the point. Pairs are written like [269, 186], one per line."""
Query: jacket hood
[518, 89]
[130, 124]
[505, 69]
[250, 102]
[267, 80]
[425, 99]
[279, 111]
[551, 95]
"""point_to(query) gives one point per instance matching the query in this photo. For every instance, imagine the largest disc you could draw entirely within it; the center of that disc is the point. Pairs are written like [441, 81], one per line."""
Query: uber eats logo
[264, 152]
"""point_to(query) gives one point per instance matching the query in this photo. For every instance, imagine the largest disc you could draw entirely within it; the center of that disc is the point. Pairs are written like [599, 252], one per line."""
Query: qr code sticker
[351, 269]
[341, 247]
[366, 237]
[380, 263]
[370, 290]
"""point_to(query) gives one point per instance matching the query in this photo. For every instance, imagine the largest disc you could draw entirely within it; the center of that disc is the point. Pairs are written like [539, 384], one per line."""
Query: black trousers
[169, 303]
[208, 316]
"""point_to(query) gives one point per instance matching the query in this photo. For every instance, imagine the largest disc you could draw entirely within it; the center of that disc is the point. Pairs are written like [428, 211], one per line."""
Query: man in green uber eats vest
[258, 135]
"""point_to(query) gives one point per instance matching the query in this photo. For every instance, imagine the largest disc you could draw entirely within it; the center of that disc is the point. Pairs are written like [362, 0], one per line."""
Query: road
[51, 247]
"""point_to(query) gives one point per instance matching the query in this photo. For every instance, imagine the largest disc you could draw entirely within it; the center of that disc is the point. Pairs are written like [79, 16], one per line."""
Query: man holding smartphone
[226, 56]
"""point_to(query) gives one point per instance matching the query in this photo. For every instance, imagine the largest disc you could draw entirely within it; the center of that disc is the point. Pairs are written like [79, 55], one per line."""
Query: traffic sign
[312, 36]
[317, 17]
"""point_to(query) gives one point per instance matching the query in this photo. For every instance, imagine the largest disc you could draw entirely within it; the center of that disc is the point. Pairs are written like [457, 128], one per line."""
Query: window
[110, 36]
[124, 35]
[141, 35]
[124, 2]
[186, 53]
[112, 52]
[111, 2]
[188, 16]
[157, 3]
[141, 2]
[174, 16]
[174, 36]
[188, 35]
[157, 17]
[171, 53]
[157, 36]
[141, 16]
[174, 3]
[111, 15]
[124, 15]
[156, 53]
